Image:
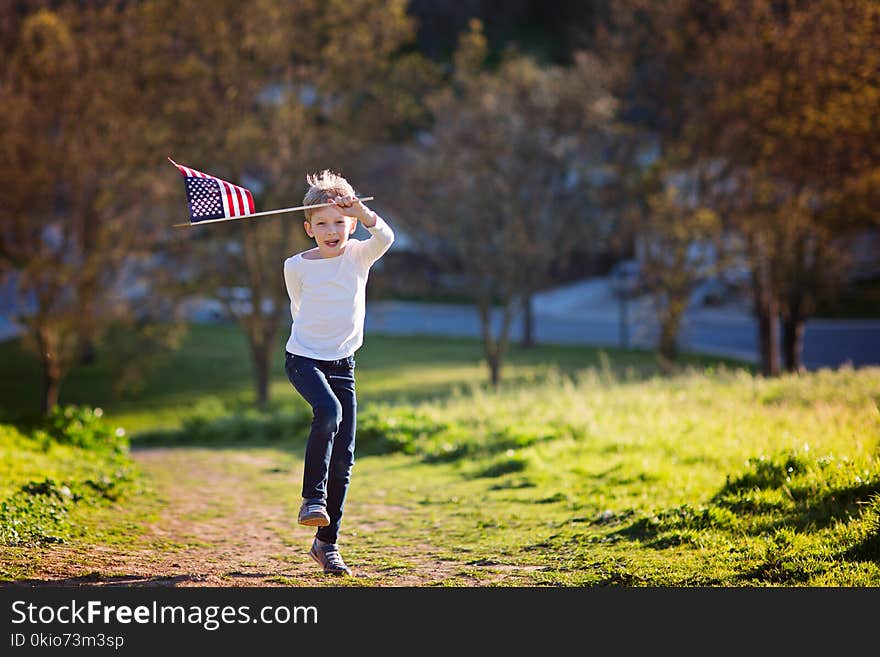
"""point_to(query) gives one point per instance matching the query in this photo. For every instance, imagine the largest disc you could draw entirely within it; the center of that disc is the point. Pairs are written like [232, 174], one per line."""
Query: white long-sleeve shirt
[328, 296]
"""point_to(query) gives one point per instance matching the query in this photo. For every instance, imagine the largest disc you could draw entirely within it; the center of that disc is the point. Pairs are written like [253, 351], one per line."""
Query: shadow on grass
[866, 550]
[776, 500]
[810, 513]
[784, 565]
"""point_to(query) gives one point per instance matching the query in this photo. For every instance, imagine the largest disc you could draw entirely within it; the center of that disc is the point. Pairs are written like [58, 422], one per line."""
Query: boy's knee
[328, 418]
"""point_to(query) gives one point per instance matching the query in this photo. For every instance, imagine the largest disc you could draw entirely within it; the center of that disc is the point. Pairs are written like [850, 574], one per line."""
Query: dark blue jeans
[328, 387]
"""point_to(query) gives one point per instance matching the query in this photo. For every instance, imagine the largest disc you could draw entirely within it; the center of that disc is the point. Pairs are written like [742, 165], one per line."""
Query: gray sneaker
[327, 556]
[313, 514]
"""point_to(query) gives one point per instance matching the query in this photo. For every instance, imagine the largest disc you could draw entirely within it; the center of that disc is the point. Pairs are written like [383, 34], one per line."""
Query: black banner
[121, 620]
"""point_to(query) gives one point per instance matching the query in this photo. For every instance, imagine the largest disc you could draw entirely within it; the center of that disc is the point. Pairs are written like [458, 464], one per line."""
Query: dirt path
[226, 520]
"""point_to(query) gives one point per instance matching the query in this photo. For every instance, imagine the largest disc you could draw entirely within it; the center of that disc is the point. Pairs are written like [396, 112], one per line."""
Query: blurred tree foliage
[75, 239]
[680, 239]
[551, 31]
[93, 97]
[266, 92]
[795, 88]
[784, 96]
[777, 98]
[502, 190]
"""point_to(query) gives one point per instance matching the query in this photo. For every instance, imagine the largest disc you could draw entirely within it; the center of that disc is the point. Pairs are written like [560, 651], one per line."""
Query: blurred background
[684, 177]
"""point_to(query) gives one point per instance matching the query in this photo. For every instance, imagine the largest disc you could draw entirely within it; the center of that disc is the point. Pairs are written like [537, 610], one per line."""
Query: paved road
[586, 313]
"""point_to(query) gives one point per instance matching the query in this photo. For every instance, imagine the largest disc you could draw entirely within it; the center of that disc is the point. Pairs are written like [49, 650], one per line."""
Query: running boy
[327, 290]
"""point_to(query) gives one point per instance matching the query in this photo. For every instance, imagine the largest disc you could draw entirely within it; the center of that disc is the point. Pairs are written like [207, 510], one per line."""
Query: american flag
[210, 197]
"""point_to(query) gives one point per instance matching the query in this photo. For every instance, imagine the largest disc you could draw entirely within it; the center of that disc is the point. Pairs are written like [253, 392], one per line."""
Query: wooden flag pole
[263, 214]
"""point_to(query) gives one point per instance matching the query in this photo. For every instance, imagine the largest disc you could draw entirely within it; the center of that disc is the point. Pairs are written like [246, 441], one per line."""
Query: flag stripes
[205, 199]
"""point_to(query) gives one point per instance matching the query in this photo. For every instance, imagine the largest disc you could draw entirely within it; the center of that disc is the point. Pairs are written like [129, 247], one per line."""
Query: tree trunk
[528, 335]
[668, 344]
[768, 338]
[623, 326]
[793, 342]
[88, 287]
[670, 323]
[88, 352]
[51, 385]
[766, 311]
[494, 369]
[494, 348]
[52, 372]
[260, 328]
[794, 321]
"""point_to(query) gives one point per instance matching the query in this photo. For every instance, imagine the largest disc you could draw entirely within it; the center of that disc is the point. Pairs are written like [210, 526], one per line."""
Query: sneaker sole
[328, 572]
[314, 521]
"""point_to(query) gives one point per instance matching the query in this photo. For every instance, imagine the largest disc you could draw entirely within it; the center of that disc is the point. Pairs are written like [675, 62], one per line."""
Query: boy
[327, 290]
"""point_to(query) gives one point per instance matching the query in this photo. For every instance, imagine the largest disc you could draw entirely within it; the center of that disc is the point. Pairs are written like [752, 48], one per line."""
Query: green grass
[702, 480]
[58, 479]
[588, 468]
[211, 374]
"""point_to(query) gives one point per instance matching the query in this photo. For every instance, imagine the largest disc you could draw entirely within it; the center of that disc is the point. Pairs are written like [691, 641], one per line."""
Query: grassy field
[701, 480]
[587, 468]
[211, 374]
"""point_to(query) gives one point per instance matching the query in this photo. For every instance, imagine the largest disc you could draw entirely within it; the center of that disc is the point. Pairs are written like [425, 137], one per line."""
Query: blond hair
[323, 187]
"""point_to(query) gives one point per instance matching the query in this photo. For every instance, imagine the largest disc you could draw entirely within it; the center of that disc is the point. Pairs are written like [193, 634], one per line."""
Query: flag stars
[204, 198]
[212, 198]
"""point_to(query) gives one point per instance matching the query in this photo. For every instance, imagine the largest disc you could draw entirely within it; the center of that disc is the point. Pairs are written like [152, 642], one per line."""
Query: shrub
[84, 427]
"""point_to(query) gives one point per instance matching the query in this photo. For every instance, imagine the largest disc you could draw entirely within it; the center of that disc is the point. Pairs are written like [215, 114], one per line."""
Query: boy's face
[330, 229]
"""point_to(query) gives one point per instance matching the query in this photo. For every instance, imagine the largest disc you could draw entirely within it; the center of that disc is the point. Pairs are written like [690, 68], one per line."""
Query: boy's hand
[355, 208]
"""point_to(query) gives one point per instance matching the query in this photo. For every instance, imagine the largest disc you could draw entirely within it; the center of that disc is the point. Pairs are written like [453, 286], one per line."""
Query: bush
[71, 457]
[84, 427]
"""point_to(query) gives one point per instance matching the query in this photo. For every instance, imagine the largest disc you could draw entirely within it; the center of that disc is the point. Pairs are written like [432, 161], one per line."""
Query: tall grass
[211, 374]
[593, 477]
[711, 479]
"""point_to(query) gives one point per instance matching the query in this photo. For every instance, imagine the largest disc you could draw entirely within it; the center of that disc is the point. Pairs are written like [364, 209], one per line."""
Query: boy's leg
[341, 382]
[311, 382]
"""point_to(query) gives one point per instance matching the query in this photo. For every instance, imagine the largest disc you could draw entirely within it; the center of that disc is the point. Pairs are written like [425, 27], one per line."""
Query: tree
[781, 93]
[284, 92]
[502, 188]
[681, 247]
[72, 234]
[793, 87]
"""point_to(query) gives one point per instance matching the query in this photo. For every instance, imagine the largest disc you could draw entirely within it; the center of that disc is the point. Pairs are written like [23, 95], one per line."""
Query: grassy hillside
[721, 479]
[60, 476]
[588, 468]
[714, 478]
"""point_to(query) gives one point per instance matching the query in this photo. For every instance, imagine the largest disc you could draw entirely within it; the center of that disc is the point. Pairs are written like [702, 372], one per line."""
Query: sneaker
[313, 514]
[327, 556]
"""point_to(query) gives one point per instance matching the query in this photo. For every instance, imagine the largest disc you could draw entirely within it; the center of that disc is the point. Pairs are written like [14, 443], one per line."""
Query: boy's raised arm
[381, 234]
[381, 238]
